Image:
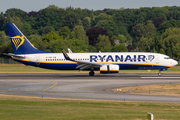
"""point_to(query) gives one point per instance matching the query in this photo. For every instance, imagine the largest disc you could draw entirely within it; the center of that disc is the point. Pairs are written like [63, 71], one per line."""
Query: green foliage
[169, 53]
[56, 46]
[162, 51]
[122, 38]
[37, 42]
[170, 39]
[136, 26]
[138, 31]
[145, 44]
[86, 23]
[51, 36]
[26, 28]
[65, 32]
[79, 33]
[109, 25]
[9, 48]
[144, 30]
[150, 29]
[50, 16]
[100, 17]
[169, 24]
[122, 30]
[103, 44]
[78, 45]
[176, 50]
[45, 30]
[91, 48]
[67, 44]
[71, 20]
[2, 38]
[16, 20]
[53, 7]
[119, 48]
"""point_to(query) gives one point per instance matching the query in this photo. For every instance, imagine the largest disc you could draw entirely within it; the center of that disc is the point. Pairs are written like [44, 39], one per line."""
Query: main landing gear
[159, 74]
[91, 73]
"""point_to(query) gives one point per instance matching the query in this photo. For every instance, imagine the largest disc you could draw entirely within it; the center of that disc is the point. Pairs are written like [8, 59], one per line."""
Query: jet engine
[109, 69]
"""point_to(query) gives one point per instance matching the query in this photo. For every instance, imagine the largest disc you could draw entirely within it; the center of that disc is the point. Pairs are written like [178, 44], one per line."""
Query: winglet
[70, 50]
[65, 55]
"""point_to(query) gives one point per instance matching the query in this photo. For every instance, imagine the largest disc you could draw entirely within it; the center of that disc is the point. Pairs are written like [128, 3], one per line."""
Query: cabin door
[157, 59]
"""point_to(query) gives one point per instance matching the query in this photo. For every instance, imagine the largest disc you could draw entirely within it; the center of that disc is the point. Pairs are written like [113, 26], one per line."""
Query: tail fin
[20, 43]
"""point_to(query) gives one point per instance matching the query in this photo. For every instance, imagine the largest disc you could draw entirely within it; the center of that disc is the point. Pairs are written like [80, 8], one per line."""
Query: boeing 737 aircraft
[105, 62]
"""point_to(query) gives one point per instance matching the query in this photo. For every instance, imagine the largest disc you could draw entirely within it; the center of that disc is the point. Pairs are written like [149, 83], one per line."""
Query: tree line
[146, 29]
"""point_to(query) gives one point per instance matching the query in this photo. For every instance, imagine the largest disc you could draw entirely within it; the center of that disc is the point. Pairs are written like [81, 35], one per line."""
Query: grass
[28, 108]
[20, 68]
[162, 89]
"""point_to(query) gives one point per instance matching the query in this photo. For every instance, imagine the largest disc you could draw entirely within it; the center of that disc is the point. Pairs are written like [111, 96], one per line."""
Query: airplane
[105, 62]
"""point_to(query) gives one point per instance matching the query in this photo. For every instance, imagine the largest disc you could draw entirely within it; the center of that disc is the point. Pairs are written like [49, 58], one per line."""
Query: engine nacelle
[109, 69]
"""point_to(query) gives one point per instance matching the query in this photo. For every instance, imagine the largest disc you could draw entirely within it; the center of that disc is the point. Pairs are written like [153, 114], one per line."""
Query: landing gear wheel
[159, 74]
[91, 73]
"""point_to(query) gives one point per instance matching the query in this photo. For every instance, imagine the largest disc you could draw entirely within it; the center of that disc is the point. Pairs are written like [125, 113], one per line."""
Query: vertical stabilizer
[20, 43]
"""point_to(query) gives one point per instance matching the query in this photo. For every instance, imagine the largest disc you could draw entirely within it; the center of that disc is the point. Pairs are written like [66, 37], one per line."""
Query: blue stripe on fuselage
[66, 66]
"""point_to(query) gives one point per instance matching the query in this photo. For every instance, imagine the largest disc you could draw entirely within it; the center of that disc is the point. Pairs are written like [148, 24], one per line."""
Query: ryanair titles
[118, 58]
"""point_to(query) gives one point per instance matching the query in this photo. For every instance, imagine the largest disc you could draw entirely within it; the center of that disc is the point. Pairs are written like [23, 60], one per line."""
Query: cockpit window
[167, 58]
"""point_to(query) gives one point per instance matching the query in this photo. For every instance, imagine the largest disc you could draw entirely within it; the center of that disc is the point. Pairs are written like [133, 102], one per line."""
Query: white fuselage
[126, 60]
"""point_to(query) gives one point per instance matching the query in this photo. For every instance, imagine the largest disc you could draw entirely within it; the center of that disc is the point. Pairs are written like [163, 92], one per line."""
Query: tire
[159, 74]
[91, 73]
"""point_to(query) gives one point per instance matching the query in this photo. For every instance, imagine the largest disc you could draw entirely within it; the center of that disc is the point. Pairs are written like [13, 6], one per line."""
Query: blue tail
[20, 43]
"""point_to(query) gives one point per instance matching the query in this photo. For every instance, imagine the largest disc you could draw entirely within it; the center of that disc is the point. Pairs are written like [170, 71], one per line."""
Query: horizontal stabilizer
[13, 55]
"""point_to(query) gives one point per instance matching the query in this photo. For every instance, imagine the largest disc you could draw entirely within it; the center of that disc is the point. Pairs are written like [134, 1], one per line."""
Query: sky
[36, 5]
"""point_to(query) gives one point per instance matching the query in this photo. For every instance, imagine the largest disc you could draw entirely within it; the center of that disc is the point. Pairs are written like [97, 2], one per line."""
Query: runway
[81, 86]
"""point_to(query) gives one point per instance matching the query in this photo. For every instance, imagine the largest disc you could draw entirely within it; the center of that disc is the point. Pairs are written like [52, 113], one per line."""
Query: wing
[81, 64]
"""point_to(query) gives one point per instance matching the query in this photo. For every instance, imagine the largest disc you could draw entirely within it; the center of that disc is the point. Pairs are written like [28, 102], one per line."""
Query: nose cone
[174, 62]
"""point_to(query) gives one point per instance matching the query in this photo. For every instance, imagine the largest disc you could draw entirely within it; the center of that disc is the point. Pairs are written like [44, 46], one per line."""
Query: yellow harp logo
[18, 41]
